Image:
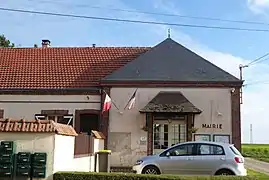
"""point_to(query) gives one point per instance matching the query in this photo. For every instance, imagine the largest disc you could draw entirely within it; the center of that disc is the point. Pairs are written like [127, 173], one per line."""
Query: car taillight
[238, 160]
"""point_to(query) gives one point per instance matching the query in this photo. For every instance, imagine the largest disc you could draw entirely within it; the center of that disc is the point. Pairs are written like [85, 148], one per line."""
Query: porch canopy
[170, 102]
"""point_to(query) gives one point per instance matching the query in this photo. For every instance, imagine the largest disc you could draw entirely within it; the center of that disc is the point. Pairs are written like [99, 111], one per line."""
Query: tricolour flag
[107, 103]
[131, 102]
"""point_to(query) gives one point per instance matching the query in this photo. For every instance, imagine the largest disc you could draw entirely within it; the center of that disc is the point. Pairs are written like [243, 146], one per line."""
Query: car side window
[183, 150]
[210, 149]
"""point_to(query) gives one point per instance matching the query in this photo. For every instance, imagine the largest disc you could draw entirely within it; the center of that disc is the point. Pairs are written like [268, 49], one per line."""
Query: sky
[225, 48]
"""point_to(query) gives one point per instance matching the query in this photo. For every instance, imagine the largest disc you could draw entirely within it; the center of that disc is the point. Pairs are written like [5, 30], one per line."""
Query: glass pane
[165, 128]
[160, 135]
[206, 149]
[183, 150]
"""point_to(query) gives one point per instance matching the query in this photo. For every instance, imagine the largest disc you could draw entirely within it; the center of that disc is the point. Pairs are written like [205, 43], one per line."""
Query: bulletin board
[202, 137]
[224, 138]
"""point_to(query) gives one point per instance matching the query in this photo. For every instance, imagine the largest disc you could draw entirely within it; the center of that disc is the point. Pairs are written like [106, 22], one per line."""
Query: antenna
[169, 33]
[251, 134]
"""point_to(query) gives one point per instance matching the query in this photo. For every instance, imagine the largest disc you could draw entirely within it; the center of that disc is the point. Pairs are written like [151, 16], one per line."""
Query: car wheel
[151, 170]
[224, 172]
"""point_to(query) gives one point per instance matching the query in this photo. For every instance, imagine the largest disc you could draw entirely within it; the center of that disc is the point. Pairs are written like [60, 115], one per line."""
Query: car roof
[207, 142]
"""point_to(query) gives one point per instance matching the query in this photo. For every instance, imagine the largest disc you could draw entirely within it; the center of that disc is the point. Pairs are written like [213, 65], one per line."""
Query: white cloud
[258, 6]
[254, 97]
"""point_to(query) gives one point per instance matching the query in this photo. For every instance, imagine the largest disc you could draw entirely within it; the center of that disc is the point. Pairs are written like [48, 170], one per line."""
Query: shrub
[116, 176]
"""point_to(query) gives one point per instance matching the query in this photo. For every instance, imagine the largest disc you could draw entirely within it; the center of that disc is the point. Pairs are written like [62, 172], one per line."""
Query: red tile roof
[36, 126]
[51, 68]
[98, 135]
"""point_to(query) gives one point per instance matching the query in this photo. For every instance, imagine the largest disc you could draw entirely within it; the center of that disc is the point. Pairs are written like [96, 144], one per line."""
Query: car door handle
[189, 159]
[222, 159]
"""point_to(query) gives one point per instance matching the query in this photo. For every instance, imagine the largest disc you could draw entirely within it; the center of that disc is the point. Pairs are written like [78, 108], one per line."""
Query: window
[59, 116]
[160, 136]
[210, 149]
[178, 133]
[183, 150]
[1, 113]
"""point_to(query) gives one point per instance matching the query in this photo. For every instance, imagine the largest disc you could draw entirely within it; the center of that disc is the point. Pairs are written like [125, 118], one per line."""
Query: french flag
[107, 103]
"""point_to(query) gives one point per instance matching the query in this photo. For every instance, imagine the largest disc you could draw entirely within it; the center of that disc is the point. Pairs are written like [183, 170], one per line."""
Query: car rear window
[235, 151]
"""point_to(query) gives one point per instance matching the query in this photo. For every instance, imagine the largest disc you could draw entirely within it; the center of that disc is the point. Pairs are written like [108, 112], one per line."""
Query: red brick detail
[61, 68]
[236, 118]
[36, 126]
[1, 113]
[104, 122]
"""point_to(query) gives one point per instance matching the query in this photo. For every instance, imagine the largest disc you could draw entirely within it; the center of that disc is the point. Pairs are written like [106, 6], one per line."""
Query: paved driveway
[255, 165]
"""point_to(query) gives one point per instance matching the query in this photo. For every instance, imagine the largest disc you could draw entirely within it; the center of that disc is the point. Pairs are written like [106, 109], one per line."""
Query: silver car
[194, 158]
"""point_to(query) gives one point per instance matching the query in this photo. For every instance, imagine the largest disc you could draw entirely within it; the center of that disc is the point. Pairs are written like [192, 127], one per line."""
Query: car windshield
[235, 151]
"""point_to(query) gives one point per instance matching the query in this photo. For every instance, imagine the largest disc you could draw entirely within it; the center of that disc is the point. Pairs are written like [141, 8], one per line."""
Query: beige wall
[125, 125]
[20, 106]
[33, 142]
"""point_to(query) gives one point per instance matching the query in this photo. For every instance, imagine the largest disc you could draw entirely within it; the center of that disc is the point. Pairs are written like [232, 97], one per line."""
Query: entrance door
[168, 133]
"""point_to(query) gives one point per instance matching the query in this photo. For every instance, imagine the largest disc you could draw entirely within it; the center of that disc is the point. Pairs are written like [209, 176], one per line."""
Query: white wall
[98, 145]
[22, 106]
[83, 164]
[64, 159]
[212, 101]
[33, 142]
[63, 153]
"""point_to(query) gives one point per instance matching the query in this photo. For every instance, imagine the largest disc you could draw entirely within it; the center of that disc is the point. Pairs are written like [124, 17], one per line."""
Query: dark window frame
[214, 145]
[63, 114]
[1, 113]
[78, 112]
[163, 154]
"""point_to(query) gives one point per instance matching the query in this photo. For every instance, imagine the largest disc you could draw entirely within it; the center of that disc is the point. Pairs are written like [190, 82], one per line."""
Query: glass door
[168, 133]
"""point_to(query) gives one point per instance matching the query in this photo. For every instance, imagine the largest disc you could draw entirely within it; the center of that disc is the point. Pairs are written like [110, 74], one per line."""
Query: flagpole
[112, 101]
[130, 99]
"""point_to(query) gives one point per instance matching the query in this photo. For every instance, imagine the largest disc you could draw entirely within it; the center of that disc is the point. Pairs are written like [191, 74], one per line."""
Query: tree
[4, 42]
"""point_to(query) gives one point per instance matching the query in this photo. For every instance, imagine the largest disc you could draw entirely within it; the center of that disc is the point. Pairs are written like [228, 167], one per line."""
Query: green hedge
[115, 176]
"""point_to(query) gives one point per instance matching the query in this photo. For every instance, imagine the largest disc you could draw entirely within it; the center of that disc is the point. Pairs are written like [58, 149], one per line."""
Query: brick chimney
[45, 43]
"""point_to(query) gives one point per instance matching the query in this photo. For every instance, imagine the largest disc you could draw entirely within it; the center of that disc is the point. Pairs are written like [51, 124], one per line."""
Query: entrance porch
[169, 119]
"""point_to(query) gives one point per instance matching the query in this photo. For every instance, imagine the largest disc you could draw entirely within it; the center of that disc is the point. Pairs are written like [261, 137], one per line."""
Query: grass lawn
[256, 151]
[257, 174]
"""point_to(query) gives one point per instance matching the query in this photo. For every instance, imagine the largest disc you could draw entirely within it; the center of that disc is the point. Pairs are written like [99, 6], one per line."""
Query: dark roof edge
[143, 111]
[50, 89]
[172, 83]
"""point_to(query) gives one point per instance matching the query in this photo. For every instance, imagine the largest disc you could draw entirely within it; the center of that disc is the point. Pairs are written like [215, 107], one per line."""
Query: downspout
[101, 120]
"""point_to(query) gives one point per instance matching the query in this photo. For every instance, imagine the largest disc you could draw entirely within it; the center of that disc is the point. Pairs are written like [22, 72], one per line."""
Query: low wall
[84, 164]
